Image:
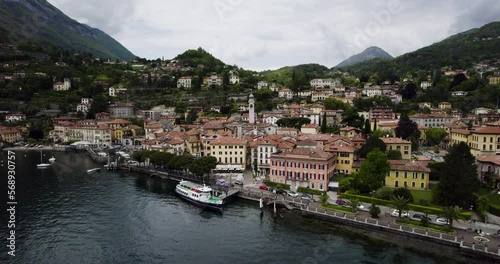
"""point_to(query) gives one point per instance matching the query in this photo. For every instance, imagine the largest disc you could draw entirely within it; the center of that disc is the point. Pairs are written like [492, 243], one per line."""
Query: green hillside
[458, 51]
[39, 21]
[296, 75]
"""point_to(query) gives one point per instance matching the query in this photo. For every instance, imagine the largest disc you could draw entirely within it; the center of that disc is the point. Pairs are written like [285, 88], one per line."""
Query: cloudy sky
[268, 34]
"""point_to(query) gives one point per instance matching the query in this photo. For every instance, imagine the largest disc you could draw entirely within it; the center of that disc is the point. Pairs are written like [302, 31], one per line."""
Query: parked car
[419, 217]
[293, 194]
[280, 191]
[340, 202]
[39, 146]
[442, 221]
[238, 182]
[221, 182]
[363, 207]
[306, 197]
[395, 213]
[263, 187]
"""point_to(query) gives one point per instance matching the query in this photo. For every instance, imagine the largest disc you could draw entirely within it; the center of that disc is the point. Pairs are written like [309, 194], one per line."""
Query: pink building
[303, 167]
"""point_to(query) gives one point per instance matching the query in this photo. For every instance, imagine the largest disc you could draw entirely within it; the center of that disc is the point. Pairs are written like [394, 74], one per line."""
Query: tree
[324, 198]
[354, 203]
[394, 154]
[405, 193]
[323, 124]
[408, 130]
[374, 211]
[371, 144]
[409, 92]
[434, 136]
[202, 165]
[296, 122]
[451, 213]
[400, 203]
[367, 129]
[99, 104]
[192, 116]
[458, 181]
[335, 104]
[372, 172]
[482, 204]
[352, 118]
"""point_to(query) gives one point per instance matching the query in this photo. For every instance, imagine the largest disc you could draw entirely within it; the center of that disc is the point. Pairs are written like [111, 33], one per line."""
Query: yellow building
[345, 156]
[408, 174]
[485, 140]
[350, 132]
[10, 134]
[494, 79]
[393, 143]
[228, 150]
[459, 135]
[444, 106]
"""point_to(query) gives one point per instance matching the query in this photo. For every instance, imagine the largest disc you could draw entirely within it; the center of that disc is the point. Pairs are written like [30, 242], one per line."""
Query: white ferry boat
[200, 195]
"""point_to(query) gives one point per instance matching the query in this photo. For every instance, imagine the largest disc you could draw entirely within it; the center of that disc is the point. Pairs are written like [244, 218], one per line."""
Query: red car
[263, 187]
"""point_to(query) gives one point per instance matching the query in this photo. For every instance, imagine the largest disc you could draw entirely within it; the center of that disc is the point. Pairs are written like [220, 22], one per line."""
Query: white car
[293, 194]
[442, 221]
[395, 213]
[363, 207]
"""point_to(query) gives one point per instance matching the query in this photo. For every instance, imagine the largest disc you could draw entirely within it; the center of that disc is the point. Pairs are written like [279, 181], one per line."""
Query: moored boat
[199, 195]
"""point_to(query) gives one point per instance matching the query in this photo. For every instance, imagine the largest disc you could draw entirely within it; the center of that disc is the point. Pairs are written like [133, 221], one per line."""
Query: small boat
[199, 195]
[52, 159]
[93, 170]
[42, 165]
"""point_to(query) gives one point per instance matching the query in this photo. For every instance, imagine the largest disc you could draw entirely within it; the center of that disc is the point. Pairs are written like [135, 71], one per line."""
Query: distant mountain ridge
[39, 21]
[368, 54]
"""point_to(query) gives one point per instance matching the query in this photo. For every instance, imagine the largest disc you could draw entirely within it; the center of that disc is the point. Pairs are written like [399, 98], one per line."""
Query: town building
[404, 146]
[121, 110]
[324, 83]
[350, 132]
[10, 118]
[488, 168]
[228, 150]
[184, 82]
[380, 113]
[214, 79]
[303, 167]
[262, 84]
[115, 91]
[62, 86]
[408, 174]
[431, 120]
[10, 134]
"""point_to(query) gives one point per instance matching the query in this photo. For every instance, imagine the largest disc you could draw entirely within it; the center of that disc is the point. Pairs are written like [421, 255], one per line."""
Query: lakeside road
[461, 227]
[21, 148]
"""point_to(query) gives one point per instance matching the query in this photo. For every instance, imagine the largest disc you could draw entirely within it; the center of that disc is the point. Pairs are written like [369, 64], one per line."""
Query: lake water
[65, 215]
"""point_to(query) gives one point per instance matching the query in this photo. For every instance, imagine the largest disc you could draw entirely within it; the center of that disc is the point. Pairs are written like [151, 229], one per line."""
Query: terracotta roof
[394, 140]
[304, 153]
[495, 159]
[228, 141]
[350, 129]
[407, 165]
[120, 121]
[487, 130]
[461, 131]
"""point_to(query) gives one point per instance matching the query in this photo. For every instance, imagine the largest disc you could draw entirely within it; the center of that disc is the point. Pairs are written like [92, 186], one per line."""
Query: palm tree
[324, 198]
[400, 203]
[354, 204]
[451, 213]
[482, 203]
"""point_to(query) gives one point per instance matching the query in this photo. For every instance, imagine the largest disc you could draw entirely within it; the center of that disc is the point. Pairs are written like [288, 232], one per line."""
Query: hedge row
[309, 191]
[494, 209]
[274, 184]
[413, 207]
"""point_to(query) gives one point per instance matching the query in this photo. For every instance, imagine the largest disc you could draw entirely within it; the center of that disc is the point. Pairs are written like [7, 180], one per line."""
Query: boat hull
[207, 206]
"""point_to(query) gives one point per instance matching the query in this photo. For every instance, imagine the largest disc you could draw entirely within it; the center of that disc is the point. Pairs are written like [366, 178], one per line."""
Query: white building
[262, 84]
[458, 93]
[372, 91]
[234, 79]
[184, 82]
[424, 85]
[271, 119]
[285, 93]
[321, 83]
[95, 134]
[15, 117]
[114, 92]
[84, 105]
[214, 79]
[62, 86]
[319, 96]
[431, 120]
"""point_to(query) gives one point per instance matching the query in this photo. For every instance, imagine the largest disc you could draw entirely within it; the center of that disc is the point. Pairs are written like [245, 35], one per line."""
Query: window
[412, 184]
[422, 185]
[397, 174]
[312, 185]
[406, 174]
[321, 186]
[423, 176]
[396, 184]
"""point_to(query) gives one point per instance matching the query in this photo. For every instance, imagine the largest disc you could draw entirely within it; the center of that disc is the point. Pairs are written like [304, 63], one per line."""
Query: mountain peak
[372, 52]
